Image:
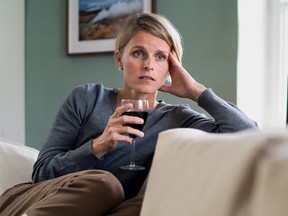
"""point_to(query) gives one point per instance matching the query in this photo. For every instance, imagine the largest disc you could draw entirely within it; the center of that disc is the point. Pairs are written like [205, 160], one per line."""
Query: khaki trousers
[92, 192]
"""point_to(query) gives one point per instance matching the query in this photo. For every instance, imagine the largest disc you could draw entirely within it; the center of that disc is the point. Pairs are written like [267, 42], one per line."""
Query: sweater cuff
[83, 156]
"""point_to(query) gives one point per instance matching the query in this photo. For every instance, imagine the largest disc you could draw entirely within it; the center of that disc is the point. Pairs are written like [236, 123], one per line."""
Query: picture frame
[92, 26]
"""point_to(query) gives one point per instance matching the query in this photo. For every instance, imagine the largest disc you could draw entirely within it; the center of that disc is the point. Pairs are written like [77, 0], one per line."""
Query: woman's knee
[99, 182]
[95, 191]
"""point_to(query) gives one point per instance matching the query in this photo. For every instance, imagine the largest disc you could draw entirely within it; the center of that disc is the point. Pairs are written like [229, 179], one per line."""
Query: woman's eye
[161, 57]
[138, 53]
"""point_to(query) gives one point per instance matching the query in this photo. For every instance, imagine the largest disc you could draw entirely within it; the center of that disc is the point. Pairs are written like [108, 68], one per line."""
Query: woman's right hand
[116, 131]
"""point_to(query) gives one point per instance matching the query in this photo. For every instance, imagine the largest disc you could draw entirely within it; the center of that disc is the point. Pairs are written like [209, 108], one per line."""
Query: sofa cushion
[197, 173]
[16, 163]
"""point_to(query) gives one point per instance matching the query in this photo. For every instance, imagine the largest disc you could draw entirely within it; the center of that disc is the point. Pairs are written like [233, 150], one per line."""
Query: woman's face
[145, 63]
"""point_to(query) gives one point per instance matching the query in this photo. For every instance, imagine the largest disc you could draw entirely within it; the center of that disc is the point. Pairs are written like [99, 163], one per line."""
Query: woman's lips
[147, 78]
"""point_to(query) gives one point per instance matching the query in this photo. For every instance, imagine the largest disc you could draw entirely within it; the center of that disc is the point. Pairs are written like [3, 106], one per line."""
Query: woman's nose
[148, 65]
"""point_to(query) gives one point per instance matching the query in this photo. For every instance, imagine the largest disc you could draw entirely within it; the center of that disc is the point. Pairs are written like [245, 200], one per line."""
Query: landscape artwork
[92, 25]
[102, 19]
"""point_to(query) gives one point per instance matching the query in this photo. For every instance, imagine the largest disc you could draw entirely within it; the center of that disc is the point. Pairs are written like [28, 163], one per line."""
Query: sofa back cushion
[16, 163]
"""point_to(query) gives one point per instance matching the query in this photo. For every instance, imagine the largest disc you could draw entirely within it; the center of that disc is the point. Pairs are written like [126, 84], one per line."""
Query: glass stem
[132, 161]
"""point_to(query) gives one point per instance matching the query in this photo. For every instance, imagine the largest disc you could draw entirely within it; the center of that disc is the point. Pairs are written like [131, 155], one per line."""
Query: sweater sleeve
[59, 154]
[227, 117]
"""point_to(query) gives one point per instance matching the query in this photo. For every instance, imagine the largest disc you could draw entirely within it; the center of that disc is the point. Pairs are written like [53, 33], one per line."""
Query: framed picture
[92, 25]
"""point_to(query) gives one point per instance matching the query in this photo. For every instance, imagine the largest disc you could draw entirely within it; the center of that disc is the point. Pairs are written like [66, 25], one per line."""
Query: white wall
[12, 21]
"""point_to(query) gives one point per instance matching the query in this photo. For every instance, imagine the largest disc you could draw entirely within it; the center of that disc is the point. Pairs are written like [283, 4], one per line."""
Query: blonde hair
[154, 24]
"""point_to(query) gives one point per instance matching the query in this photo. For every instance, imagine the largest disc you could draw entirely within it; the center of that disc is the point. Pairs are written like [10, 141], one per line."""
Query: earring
[120, 67]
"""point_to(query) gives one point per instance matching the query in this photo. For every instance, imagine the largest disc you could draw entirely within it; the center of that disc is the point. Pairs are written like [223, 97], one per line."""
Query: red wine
[140, 114]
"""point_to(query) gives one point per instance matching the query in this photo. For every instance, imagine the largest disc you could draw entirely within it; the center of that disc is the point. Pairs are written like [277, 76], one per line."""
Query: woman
[89, 132]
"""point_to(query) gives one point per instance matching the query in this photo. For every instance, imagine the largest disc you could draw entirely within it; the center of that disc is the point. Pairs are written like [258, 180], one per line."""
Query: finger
[114, 135]
[173, 59]
[129, 125]
[123, 137]
[131, 119]
[132, 131]
[121, 109]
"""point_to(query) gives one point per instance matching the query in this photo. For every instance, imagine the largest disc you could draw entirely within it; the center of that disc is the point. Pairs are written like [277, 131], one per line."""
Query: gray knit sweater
[84, 115]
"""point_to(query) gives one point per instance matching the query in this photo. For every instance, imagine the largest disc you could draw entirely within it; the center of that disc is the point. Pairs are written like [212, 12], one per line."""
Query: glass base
[132, 167]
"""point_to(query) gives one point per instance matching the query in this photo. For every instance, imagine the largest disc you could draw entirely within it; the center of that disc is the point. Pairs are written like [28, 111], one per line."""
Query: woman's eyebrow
[157, 51]
[138, 47]
[162, 51]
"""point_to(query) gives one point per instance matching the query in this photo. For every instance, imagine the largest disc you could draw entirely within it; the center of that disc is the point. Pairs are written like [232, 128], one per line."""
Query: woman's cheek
[163, 68]
[133, 64]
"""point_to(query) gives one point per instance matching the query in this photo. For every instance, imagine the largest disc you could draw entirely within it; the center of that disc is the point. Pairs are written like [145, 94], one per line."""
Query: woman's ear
[118, 57]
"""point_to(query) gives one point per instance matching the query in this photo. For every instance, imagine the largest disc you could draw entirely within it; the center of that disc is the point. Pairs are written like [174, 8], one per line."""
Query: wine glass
[139, 109]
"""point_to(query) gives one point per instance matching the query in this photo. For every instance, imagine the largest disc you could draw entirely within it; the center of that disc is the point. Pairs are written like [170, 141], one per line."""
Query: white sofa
[196, 173]
[201, 174]
[16, 162]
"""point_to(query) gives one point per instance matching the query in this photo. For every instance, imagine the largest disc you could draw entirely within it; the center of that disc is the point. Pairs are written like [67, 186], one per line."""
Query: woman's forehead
[145, 39]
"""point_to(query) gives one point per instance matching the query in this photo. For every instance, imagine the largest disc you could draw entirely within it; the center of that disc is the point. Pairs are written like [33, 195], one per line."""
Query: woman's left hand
[183, 84]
